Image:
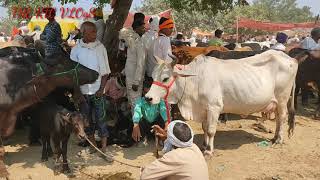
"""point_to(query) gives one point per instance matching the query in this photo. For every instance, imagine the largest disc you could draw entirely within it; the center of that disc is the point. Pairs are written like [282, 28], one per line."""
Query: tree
[185, 20]
[121, 9]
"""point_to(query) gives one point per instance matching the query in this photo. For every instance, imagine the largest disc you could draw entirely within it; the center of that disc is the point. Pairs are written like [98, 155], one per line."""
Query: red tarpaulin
[269, 26]
[129, 20]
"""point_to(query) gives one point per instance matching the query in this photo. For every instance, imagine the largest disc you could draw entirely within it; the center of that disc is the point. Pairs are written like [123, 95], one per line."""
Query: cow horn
[159, 60]
[174, 59]
[40, 56]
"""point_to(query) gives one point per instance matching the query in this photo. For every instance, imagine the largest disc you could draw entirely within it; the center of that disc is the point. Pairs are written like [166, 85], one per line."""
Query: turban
[137, 24]
[282, 37]
[173, 141]
[98, 12]
[168, 24]
[315, 31]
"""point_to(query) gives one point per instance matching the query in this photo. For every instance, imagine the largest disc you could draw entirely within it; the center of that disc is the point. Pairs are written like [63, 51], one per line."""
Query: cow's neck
[178, 95]
[35, 92]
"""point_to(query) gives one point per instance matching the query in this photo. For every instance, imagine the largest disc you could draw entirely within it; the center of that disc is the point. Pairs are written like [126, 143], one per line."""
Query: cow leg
[44, 156]
[49, 149]
[212, 121]
[205, 134]
[65, 166]
[281, 116]
[57, 153]
[304, 96]
[3, 170]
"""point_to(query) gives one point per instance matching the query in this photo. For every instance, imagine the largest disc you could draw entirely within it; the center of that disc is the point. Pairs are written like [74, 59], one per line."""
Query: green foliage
[98, 3]
[185, 20]
[23, 5]
[7, 24]
[211, 14]
[214, 6]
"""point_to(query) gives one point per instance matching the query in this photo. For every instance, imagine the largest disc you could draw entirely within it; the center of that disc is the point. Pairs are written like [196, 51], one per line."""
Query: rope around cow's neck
[107, 156]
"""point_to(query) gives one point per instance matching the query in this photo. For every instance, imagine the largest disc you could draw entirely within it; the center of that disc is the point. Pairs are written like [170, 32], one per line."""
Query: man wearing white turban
[182, 158]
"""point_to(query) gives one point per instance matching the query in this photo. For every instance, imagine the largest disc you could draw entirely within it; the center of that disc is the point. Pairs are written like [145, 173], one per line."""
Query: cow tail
[291, 112]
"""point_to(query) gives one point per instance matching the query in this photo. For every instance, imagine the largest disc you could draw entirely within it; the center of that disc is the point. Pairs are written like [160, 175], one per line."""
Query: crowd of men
[182, 158]
[97, 98]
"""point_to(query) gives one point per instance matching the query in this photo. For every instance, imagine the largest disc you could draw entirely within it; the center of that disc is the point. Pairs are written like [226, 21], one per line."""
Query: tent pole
[237, 29]
[175, 27]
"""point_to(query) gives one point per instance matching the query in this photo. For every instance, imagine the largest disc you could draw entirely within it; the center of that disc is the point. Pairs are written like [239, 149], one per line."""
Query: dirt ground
[239, 155]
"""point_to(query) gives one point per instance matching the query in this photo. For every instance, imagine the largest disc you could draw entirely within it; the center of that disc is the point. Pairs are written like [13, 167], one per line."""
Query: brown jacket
[179, 164]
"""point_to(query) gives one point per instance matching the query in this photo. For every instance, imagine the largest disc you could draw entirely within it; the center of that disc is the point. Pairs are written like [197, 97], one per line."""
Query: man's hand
[78, 98]
[135, 87]
[161, 133]
[136, 134]
[99, 93]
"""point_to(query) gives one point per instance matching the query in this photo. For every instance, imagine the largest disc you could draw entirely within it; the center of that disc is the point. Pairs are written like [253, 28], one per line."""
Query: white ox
[208, 86]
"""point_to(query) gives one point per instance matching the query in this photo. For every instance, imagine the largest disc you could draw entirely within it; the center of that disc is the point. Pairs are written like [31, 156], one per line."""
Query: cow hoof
[66, 169]
[50, 154]
[277, 141]
[208, 154]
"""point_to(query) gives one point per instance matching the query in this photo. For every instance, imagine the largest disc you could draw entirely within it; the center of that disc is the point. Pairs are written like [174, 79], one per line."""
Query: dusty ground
[237, 155]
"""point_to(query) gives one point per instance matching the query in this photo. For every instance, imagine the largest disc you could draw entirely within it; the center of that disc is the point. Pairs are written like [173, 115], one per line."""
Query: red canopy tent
[129, 20]
[269, 26]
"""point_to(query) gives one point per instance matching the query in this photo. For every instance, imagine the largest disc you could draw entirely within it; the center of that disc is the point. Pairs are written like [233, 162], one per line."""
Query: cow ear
[183, 73]
[65, 116]
[159, 61]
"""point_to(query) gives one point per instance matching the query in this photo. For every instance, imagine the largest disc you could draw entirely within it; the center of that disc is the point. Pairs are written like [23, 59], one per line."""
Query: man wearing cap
[99, 22]
[182, 158]
[51, 35]
[136, 60]
[217, 40]
[162, 46]
[312, 43]
[281, 40]
[149, 39]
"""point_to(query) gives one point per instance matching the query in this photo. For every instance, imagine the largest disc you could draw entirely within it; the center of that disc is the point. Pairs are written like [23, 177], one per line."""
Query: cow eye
[165, 79]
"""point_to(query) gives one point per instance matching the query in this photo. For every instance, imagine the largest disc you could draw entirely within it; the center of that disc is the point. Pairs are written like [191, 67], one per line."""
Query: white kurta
[279, 47]
[149, 39]
[135, 64]
[310, 44]
[162, 47]
[100, 29]
[93, 56]
[179, 164]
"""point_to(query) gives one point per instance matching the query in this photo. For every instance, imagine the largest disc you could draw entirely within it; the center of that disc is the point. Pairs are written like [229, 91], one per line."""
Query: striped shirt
[52, 36]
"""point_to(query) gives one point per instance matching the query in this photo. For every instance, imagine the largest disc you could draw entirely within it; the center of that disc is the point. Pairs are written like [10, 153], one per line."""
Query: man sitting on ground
[145, 116]
[182, 158]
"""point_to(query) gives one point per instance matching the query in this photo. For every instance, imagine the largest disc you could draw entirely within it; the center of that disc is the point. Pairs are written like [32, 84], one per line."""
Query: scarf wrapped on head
[281, 37]
[173, 141]
[168, 24]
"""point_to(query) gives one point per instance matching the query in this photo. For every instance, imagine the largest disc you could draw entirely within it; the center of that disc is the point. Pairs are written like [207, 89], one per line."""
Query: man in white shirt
[92, 54]
[100, 24]
[2, 39]
[281, 40]
[37, 32]
[162, 46]
[312, 43]
[149, 39]
[136, 60]
[182, 160]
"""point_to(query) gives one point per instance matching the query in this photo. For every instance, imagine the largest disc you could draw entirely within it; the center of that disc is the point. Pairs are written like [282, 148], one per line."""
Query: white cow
[208, 86]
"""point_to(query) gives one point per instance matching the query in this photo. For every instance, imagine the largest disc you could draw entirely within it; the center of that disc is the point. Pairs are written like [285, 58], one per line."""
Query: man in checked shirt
[52, 36]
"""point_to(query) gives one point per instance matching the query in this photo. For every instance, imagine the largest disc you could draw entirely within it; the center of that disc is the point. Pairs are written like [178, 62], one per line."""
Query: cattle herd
[213, 80]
